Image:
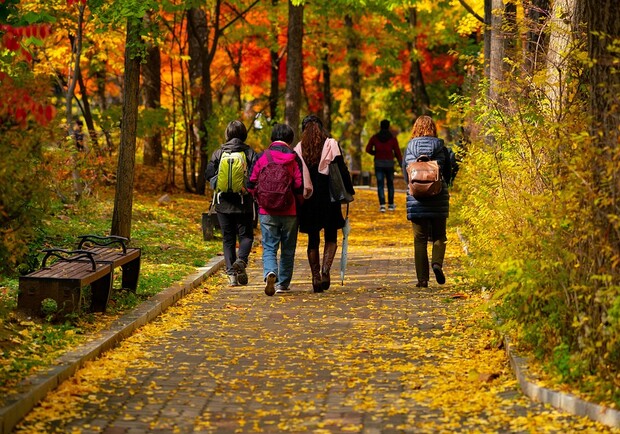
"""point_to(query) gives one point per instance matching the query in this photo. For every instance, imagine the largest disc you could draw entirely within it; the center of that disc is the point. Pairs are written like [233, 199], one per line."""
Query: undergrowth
[170, 238]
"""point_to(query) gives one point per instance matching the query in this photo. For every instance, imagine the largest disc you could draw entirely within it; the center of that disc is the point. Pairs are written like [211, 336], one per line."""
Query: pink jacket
[281, 153]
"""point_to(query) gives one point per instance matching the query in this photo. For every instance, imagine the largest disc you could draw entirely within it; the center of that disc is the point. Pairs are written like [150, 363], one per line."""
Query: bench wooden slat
[89, 265]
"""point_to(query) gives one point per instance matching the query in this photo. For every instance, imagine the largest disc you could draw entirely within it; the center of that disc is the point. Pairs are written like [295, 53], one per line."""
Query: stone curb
[36, 387]
[563, 401]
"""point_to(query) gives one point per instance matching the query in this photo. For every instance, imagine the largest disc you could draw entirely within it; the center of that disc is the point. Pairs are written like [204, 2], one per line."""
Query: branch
[471, 11]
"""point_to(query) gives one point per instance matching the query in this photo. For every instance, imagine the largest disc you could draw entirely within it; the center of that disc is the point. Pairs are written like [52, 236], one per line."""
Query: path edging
[563, 401]
[37, 386]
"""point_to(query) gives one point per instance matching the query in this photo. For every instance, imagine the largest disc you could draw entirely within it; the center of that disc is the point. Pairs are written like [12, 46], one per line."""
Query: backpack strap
[268, 155]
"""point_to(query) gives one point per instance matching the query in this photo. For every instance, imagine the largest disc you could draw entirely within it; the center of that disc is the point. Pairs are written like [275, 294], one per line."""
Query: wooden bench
[120, 256]
[63, 282]
[93, 263]
[361, 177]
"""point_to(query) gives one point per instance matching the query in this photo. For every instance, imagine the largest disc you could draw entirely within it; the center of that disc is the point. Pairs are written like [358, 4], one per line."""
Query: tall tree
[356, 122]
[151, 88]
[420, 102]
[204, 32]
[294, 66]
[496, 51]
[123, 199]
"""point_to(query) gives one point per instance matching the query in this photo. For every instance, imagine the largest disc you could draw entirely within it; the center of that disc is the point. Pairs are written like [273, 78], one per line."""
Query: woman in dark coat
[428, 215]
[318, 212]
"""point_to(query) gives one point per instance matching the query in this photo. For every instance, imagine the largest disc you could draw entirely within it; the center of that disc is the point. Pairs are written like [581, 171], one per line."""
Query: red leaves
[70, 2]
[20, 105]
[13, 35]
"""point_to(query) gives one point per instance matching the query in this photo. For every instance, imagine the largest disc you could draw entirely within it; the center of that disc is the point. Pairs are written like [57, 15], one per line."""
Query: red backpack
[274, 191]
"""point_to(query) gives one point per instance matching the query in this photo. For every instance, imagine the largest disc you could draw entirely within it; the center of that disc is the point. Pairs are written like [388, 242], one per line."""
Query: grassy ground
[170, 237]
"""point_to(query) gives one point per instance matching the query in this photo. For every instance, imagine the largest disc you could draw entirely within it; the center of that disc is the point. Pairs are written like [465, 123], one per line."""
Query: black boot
[315, 269]
[329, 252]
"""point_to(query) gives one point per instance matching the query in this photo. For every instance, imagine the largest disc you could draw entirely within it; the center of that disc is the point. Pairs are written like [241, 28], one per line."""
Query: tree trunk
[88, 115]
[537, 39]
[496, 55]
[151, 75]
[78, 184]
[355, 86]
[420, 103]
[327, 89]
[559, 43]
[123, 199]
[488, 16]
[294, 67]
[198, 36]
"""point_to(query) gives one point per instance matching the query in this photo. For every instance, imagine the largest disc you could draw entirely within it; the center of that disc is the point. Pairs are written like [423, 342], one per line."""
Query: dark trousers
[385, 174]
[425, 230]
[234, 225]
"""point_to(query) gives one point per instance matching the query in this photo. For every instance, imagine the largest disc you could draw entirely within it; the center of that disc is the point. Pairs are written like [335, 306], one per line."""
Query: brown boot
[315, 269]
[329, 252]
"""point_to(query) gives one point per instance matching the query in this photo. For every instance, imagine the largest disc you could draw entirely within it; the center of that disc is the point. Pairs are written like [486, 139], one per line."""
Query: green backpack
[232, 173]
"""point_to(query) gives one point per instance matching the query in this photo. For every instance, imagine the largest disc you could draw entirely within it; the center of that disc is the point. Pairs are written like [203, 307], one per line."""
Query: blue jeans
[279, 232]
[385, 174]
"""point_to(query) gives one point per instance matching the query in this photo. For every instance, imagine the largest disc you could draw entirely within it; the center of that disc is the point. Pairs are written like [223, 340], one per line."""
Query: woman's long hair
[424, 127]
[312, 139]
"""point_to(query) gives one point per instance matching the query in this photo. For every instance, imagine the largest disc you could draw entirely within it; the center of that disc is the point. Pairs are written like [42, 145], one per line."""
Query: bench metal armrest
[104, 241]
[71, 256]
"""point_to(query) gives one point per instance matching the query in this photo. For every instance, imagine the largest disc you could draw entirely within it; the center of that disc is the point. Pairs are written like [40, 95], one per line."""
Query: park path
[377, 355]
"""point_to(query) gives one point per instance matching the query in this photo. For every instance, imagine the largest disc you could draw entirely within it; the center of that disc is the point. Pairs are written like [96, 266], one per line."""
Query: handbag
[337, 188]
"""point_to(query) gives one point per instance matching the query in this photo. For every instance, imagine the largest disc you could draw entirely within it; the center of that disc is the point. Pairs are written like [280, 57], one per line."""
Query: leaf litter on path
[374, 355]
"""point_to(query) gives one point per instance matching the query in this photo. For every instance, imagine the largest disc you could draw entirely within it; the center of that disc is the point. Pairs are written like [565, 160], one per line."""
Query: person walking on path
[318, 212]
[384, 147]
[276, 183]
[235, 209]
[428, 215]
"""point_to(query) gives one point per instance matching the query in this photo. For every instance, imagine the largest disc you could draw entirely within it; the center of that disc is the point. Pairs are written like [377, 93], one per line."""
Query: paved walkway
[376, 355]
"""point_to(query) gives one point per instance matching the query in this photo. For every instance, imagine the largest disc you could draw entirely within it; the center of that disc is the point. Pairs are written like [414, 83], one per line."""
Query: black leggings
[314, 238]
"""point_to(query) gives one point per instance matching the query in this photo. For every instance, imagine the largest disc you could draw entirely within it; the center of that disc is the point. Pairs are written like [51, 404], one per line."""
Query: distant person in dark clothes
[384, 147]
[78, 135]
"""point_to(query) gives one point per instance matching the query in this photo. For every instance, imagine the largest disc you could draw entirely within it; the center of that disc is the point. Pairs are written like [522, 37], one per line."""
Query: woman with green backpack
[227, 172]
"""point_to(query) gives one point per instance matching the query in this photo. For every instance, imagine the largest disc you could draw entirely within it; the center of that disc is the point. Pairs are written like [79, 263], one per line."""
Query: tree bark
[276, 59]
[151, 75]
[559, 42]
[327, 89]
[355, 86]
[294, 67]
[420, 102]
[88, 115]
[496, 59]
[123, 199]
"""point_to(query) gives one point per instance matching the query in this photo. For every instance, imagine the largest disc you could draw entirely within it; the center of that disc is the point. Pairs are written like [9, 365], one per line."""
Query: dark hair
[385, 124]
[282, 133]
[236, 130]
[311, 119]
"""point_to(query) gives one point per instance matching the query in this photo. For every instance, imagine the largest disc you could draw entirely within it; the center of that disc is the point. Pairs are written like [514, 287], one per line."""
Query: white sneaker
[282, 289]
[382, 208]
[270, 288]
[392, 207]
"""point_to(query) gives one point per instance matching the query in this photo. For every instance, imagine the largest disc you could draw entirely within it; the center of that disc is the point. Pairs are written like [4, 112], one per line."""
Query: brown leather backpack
[424, 177]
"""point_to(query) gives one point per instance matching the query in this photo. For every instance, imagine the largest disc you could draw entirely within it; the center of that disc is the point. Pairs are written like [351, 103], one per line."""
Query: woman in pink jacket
[277, 185]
